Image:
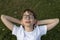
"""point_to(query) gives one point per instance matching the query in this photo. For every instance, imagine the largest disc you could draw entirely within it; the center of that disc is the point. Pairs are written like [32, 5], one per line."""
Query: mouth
[28, 22]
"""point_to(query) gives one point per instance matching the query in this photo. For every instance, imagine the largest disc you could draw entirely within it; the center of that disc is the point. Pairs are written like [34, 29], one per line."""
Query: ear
[35, 21]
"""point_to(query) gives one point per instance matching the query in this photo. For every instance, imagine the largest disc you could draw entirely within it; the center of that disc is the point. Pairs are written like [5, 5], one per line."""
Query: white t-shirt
[36, 34]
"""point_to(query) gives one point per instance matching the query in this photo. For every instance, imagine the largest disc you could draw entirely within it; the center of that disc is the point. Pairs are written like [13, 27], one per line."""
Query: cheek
[23, 21]
[32, 21]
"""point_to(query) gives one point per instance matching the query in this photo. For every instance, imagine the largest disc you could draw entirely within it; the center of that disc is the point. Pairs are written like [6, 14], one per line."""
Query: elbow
[57, 20]
[2, 16]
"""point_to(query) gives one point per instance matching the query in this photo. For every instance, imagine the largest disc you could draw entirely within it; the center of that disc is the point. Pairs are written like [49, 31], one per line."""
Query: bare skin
[28, 21]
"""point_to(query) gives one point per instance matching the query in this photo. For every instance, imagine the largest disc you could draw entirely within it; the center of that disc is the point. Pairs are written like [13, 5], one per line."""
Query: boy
[29, 29]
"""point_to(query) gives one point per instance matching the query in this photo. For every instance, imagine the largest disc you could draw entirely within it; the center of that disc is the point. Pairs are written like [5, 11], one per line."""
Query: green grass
[44, 9]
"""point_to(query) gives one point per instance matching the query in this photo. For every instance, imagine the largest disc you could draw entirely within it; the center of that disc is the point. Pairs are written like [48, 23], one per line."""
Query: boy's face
[28, 19]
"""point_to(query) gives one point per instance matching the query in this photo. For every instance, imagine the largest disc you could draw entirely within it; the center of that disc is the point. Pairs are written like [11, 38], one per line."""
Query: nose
[28, 18]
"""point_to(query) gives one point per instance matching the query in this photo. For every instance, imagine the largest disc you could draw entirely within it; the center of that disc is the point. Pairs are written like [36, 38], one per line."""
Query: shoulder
[17, 30]
[42, 26]
[42, 29]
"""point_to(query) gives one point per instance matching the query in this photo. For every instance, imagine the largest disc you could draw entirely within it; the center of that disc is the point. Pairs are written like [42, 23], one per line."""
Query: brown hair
[29, 10]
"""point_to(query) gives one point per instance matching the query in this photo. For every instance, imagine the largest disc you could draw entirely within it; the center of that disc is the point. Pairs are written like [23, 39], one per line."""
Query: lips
[27, 21]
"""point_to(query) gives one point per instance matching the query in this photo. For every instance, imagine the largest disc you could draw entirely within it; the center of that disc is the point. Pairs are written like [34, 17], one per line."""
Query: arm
[51, 23]
[7, 20]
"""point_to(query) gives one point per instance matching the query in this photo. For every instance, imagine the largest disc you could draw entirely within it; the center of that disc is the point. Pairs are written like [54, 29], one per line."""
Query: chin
[27, 24]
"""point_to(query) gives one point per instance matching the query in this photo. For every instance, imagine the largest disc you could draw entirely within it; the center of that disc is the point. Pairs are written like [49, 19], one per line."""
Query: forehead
[27, 13]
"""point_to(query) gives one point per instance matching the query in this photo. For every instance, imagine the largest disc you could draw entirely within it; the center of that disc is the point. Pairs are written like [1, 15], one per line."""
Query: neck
[28, 28]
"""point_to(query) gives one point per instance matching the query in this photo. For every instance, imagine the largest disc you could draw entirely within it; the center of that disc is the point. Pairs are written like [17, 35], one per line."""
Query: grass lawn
[44, 9]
